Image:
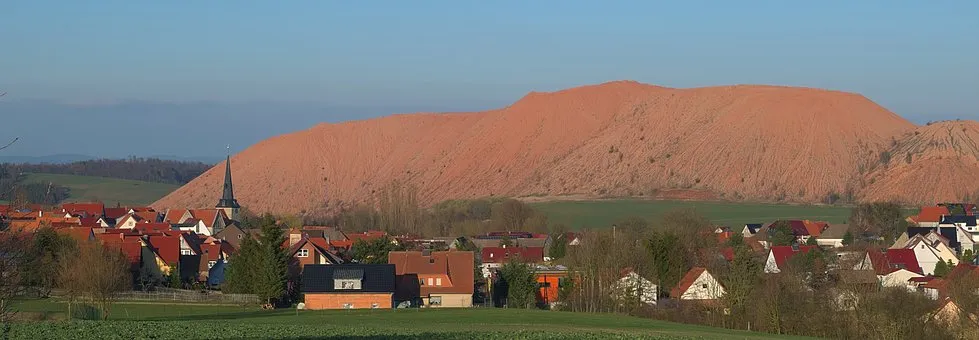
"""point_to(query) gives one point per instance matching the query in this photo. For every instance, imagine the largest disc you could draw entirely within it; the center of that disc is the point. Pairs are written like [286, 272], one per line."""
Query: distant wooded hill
[139, 169]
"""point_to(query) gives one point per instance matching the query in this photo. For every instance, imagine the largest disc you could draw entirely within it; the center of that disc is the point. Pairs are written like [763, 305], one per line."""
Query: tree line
[133, 168]
[397, 212]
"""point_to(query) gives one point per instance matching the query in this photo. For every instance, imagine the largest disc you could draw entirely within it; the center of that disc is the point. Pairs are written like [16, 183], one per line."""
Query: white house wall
[704, 288]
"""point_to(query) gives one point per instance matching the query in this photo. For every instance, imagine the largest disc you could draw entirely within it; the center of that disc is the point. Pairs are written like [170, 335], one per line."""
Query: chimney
[294, 238]
[795, 246]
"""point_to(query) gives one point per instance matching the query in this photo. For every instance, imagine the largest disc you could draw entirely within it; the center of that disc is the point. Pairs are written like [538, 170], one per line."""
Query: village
[935, 253]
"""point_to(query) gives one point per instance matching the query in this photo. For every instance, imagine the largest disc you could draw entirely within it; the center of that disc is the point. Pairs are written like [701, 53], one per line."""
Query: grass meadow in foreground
[186, 321]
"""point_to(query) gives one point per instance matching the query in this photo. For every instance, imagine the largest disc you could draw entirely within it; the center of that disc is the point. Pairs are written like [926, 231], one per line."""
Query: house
[366, 236]
[309, 251]
[698, 284]
[193, 225]
[900, 278]
[929, 252]
[348, 286]
[214, 220]
[434, 278]
[890, 260]
[798, 228]
[176, 216]
[815, 228]
[84, 209]
[950, 315]
[929, 217]
[779, 256]
[751, 229]
[93, 222]
[832, 236]
[231, 234]
[549, 281]
[960, 230]
[633, 286]
[495, 257]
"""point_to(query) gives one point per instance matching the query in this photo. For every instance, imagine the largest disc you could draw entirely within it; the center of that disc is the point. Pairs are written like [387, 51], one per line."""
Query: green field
[210, 322]
[601, 214]
[106, 190]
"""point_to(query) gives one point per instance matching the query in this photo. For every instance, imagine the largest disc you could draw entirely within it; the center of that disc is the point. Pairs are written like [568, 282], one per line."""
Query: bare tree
[99, 273]
[12, 252]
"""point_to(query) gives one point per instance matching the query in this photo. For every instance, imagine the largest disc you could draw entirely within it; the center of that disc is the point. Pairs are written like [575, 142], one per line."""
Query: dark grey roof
[348, 273]
[969, 221]
[377, 278]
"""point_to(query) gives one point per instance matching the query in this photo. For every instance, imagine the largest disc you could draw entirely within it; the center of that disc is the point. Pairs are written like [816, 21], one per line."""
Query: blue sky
[312, 61]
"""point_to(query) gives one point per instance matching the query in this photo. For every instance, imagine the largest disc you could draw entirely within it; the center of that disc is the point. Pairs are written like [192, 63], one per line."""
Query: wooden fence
[181, 295]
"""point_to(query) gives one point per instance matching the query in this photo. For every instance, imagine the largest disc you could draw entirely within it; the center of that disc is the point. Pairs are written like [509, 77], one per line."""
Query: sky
[189, 77]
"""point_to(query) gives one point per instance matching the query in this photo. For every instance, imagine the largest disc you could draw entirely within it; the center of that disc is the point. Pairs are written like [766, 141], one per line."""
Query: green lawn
[601, 214]
[198, 321]
[107, 190]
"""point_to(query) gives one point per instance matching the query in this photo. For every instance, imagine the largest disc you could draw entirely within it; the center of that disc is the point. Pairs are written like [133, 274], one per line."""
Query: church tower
[228, 203]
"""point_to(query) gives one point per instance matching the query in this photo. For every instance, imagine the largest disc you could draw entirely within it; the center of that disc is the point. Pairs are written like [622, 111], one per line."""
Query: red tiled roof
[64, 224]
[921, 278]
[167, 247]
[931, 214]
[815, 228]
[152, 227]
[173, 216]
[79, 234]
[366, 236]
[91, 222]
[212, 252]
[782, 254]
[151, 216]
[114, 213]
[87, 209]
[686, 282]
[501, 255]
[453, 268]
[131, 248]
[206, 215]
[342, 244]
[961, 270]
[892, 260]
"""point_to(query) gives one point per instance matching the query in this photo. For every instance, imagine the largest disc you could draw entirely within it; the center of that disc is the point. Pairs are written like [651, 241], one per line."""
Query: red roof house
[504, 254]
[438, 279]
[930, 215]
[894, 259]
[698, 284]
[84, 209]
[778, 256]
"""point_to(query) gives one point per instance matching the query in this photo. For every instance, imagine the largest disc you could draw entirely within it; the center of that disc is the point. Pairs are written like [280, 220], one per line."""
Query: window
[429, 281]
[491, 255]
[435, 301]
[704, 286]
[210, 264]
[302, 253]
[421, 282]
[438, 281]
[346, 284]
[186, 252]
[239, 236]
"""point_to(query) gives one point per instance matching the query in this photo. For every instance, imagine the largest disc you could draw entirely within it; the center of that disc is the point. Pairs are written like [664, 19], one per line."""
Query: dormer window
[186, 252]
[348, 279]
[438, 281]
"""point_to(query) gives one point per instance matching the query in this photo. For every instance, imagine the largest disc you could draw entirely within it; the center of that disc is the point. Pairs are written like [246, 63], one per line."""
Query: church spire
[228, 201]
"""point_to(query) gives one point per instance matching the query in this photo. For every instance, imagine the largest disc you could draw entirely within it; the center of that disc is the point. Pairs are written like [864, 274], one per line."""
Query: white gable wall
[704, 288]
[899, 278]
[771, 267]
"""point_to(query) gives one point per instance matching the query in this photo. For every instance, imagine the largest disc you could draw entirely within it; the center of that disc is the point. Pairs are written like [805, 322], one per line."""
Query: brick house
[348, 286]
